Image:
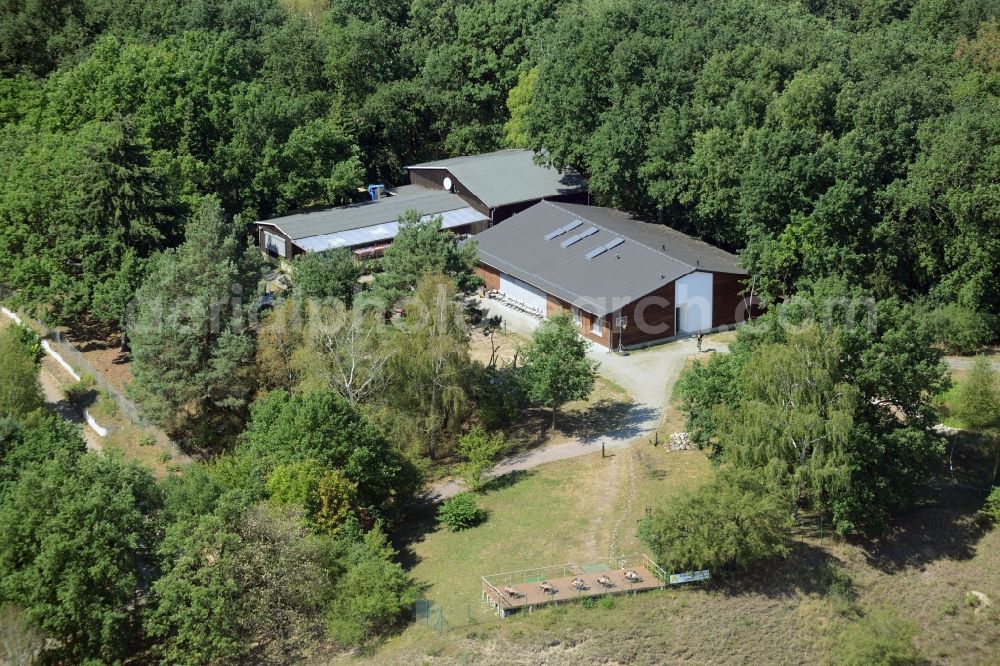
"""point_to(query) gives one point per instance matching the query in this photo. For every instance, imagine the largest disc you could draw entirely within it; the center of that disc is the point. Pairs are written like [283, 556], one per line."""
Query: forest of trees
[845, 149]
[817, 138]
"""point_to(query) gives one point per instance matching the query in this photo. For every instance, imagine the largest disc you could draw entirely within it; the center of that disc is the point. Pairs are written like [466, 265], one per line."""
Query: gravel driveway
[648, 375]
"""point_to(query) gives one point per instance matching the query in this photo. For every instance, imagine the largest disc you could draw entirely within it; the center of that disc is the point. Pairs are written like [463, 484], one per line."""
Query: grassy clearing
[799, 610]
[575, 511]
[947, 402]
[536, 518]
[791, 612]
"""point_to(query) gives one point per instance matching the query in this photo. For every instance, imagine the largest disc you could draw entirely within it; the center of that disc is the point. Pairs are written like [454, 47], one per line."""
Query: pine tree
[192, 348]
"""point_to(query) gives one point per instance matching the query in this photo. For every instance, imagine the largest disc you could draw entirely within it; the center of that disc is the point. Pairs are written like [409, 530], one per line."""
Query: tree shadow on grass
[807, 569]
[614, 418]
[507, 480]
[945, 523]
[603, 418]
[925, 535]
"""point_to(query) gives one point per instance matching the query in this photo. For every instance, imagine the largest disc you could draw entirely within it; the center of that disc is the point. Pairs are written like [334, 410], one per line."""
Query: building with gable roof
[626, 282]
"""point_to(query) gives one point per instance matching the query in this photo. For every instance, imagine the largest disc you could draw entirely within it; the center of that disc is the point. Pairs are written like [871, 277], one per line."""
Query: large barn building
[626, 282]
[470, 194]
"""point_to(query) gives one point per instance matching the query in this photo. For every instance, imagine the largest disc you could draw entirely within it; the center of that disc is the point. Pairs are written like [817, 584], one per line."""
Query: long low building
[626, 282]
[470, 193]
[367, 227]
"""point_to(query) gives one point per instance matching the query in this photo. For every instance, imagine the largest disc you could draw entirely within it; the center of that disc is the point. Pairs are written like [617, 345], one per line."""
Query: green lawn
[570, 512]
[787, 612]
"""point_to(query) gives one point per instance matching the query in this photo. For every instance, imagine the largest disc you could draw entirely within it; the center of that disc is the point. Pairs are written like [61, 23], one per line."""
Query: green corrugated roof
[507, 176]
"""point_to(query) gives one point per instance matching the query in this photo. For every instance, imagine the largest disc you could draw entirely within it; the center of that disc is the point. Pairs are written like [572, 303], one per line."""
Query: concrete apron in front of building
[523, 324]
[648, 376]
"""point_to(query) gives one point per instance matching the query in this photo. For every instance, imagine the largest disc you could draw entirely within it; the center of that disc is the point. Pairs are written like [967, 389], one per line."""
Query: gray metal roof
[369, 213]
[385, 231]
[635, 257]
[507, 176]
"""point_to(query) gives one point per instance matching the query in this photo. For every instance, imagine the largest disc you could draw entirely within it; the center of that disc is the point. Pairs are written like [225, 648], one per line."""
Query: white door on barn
[693, 294]
[522, 292]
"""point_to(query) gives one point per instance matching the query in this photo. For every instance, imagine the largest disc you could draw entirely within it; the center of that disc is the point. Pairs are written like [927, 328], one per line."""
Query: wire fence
[433, 616]
[79, 362]
[75, 358]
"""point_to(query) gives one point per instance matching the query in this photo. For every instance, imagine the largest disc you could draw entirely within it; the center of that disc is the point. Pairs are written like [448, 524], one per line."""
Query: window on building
[577, 317]
[595, 324]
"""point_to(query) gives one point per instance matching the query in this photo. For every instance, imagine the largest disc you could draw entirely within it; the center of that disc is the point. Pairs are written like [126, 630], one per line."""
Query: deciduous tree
[323, 427]
[327, 275]
[556, 367]
[732, 522]
[430, 366]
[75, 532]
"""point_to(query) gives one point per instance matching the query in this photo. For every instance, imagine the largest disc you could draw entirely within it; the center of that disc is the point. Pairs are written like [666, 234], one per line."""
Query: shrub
[78, 393]
[879, 639]
[29, 340]
[729, 523]
[480, 450]
[461, 512]
[20, 392]
[978, 399]
[959, 329]
[992, 507]
[106, 405]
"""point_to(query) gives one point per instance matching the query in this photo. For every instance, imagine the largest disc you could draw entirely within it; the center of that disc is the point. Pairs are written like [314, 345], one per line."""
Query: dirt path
[647, 375]
[964, 363]
[607, 491]
[56, 400]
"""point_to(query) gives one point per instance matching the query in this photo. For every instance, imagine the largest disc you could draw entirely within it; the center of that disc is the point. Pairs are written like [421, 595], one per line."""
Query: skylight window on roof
[579, 237]
[563, 229]
[601, 249]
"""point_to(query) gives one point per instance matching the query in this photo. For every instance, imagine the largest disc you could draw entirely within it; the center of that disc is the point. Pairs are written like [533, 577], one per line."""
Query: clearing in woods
[924, 572]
